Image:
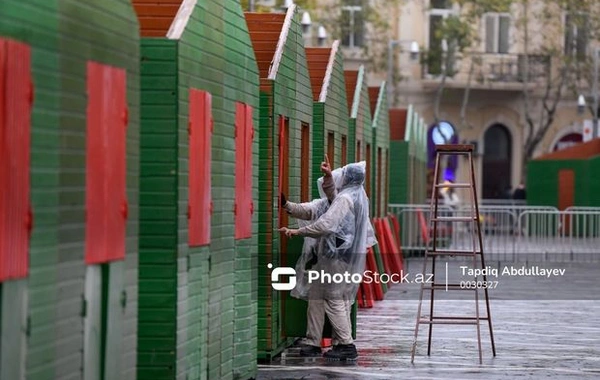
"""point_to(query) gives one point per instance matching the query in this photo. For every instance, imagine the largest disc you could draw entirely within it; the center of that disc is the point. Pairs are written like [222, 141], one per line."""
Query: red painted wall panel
[200, 130]
[106, 202]
[249, 133]
[244, 207]
[16, 99]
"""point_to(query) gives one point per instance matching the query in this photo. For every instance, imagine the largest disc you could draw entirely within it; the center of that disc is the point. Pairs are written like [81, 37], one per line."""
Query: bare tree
[565, 62]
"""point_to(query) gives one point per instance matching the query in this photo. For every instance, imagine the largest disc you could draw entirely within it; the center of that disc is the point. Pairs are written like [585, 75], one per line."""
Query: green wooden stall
[28, 291]
[330, 133]
[569, 177]
[71, 313]
[199, 168]
[407, 157]
[380, 154]
[285, 133]
[359, 124]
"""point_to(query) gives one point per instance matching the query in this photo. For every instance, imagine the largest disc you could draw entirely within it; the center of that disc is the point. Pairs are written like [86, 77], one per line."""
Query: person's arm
[302, 211]
[329, 187]
[329, 221]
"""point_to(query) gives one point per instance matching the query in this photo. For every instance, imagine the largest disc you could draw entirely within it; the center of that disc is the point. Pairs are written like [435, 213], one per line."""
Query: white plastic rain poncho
[307, 213]
[344, 233]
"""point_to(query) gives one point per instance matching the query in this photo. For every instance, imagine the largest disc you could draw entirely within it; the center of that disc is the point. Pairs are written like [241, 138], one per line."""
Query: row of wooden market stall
[158, 137]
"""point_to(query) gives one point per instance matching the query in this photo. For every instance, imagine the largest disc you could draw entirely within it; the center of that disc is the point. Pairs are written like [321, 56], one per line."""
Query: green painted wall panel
[361, 114]
[59, 55]
[381, 134]
[37, 26]
[105, 32]
[158, 199]
[290, 96]
[215, 55]
[399, 177]
[542, 182]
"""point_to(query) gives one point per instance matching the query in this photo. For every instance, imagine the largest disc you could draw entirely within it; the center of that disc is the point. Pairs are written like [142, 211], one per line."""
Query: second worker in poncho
[344, 233]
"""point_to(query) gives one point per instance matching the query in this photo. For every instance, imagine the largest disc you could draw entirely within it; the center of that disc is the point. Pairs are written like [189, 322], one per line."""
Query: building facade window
[353, 23]
[497, 27]
[440, 10]
[576, 34]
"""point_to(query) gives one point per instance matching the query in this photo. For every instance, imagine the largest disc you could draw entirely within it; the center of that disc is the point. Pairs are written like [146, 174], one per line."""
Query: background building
[504, 75]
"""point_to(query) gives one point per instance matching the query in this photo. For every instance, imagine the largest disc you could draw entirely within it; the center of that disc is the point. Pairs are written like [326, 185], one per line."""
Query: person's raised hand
[282, 200]
[326, 167]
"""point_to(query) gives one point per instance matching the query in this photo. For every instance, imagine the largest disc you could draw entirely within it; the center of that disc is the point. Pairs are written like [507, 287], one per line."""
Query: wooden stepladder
[439, 221]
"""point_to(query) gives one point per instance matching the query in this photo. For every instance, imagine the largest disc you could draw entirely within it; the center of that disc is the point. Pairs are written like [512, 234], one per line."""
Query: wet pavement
[540, 333]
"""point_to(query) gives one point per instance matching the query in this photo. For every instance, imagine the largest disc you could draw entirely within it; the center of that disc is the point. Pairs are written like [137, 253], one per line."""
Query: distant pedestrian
[449, 195]
[520, 192]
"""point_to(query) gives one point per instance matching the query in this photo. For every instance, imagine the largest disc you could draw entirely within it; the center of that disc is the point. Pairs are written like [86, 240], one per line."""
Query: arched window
[568, 141]
[441, 133]
[497, 162]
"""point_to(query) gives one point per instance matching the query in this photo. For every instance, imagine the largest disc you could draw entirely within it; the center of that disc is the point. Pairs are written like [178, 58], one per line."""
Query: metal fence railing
[510, 232]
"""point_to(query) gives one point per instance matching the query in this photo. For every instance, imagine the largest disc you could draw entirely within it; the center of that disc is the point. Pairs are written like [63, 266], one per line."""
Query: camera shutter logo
[282, 271]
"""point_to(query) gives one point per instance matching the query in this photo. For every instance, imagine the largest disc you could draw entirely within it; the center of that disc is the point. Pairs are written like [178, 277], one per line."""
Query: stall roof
[373, 97]
[397, 123]
[156, 17]
[578, 152]
[318, 62]
[266, 32]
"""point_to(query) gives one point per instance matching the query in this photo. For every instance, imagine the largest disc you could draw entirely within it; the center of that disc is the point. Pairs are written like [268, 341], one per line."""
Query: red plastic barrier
[395, 252]
[377, 290]
[424, 228]
[396, 228]
[388, 266]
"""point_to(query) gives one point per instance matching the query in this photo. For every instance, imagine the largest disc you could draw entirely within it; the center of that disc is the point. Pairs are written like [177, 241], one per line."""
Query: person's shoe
[308, 350]
[342, 352]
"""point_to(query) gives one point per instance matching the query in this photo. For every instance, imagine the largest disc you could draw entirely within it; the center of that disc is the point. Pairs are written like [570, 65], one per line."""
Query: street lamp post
[414, 55]
[581, 103]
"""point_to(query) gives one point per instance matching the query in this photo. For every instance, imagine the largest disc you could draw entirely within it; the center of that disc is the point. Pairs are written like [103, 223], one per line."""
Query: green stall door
[13, 329]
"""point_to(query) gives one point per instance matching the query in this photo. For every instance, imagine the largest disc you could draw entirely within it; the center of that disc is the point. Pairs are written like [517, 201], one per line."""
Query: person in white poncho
[343, 233]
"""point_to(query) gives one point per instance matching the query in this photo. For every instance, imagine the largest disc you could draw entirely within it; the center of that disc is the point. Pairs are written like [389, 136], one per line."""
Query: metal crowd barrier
[510, 232]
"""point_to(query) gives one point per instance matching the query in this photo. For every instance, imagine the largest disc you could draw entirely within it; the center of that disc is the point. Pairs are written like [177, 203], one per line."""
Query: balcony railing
[491, 69]
[512, 68]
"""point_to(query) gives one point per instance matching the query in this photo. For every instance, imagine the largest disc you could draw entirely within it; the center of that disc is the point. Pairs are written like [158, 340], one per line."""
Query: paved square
[539, 333]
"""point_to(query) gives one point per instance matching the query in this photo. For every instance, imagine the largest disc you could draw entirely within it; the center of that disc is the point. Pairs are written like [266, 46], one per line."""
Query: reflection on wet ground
[535, 338]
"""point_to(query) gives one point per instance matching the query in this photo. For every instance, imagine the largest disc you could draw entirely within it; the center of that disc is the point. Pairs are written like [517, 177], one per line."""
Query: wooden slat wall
[351, 77]
[317, 59]
[155, 16]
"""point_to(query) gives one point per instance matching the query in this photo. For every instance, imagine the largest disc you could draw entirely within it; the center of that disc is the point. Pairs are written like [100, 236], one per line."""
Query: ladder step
[454, 185]
[454, 219]
[448, 322]
[452, 252]
[454, 148]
